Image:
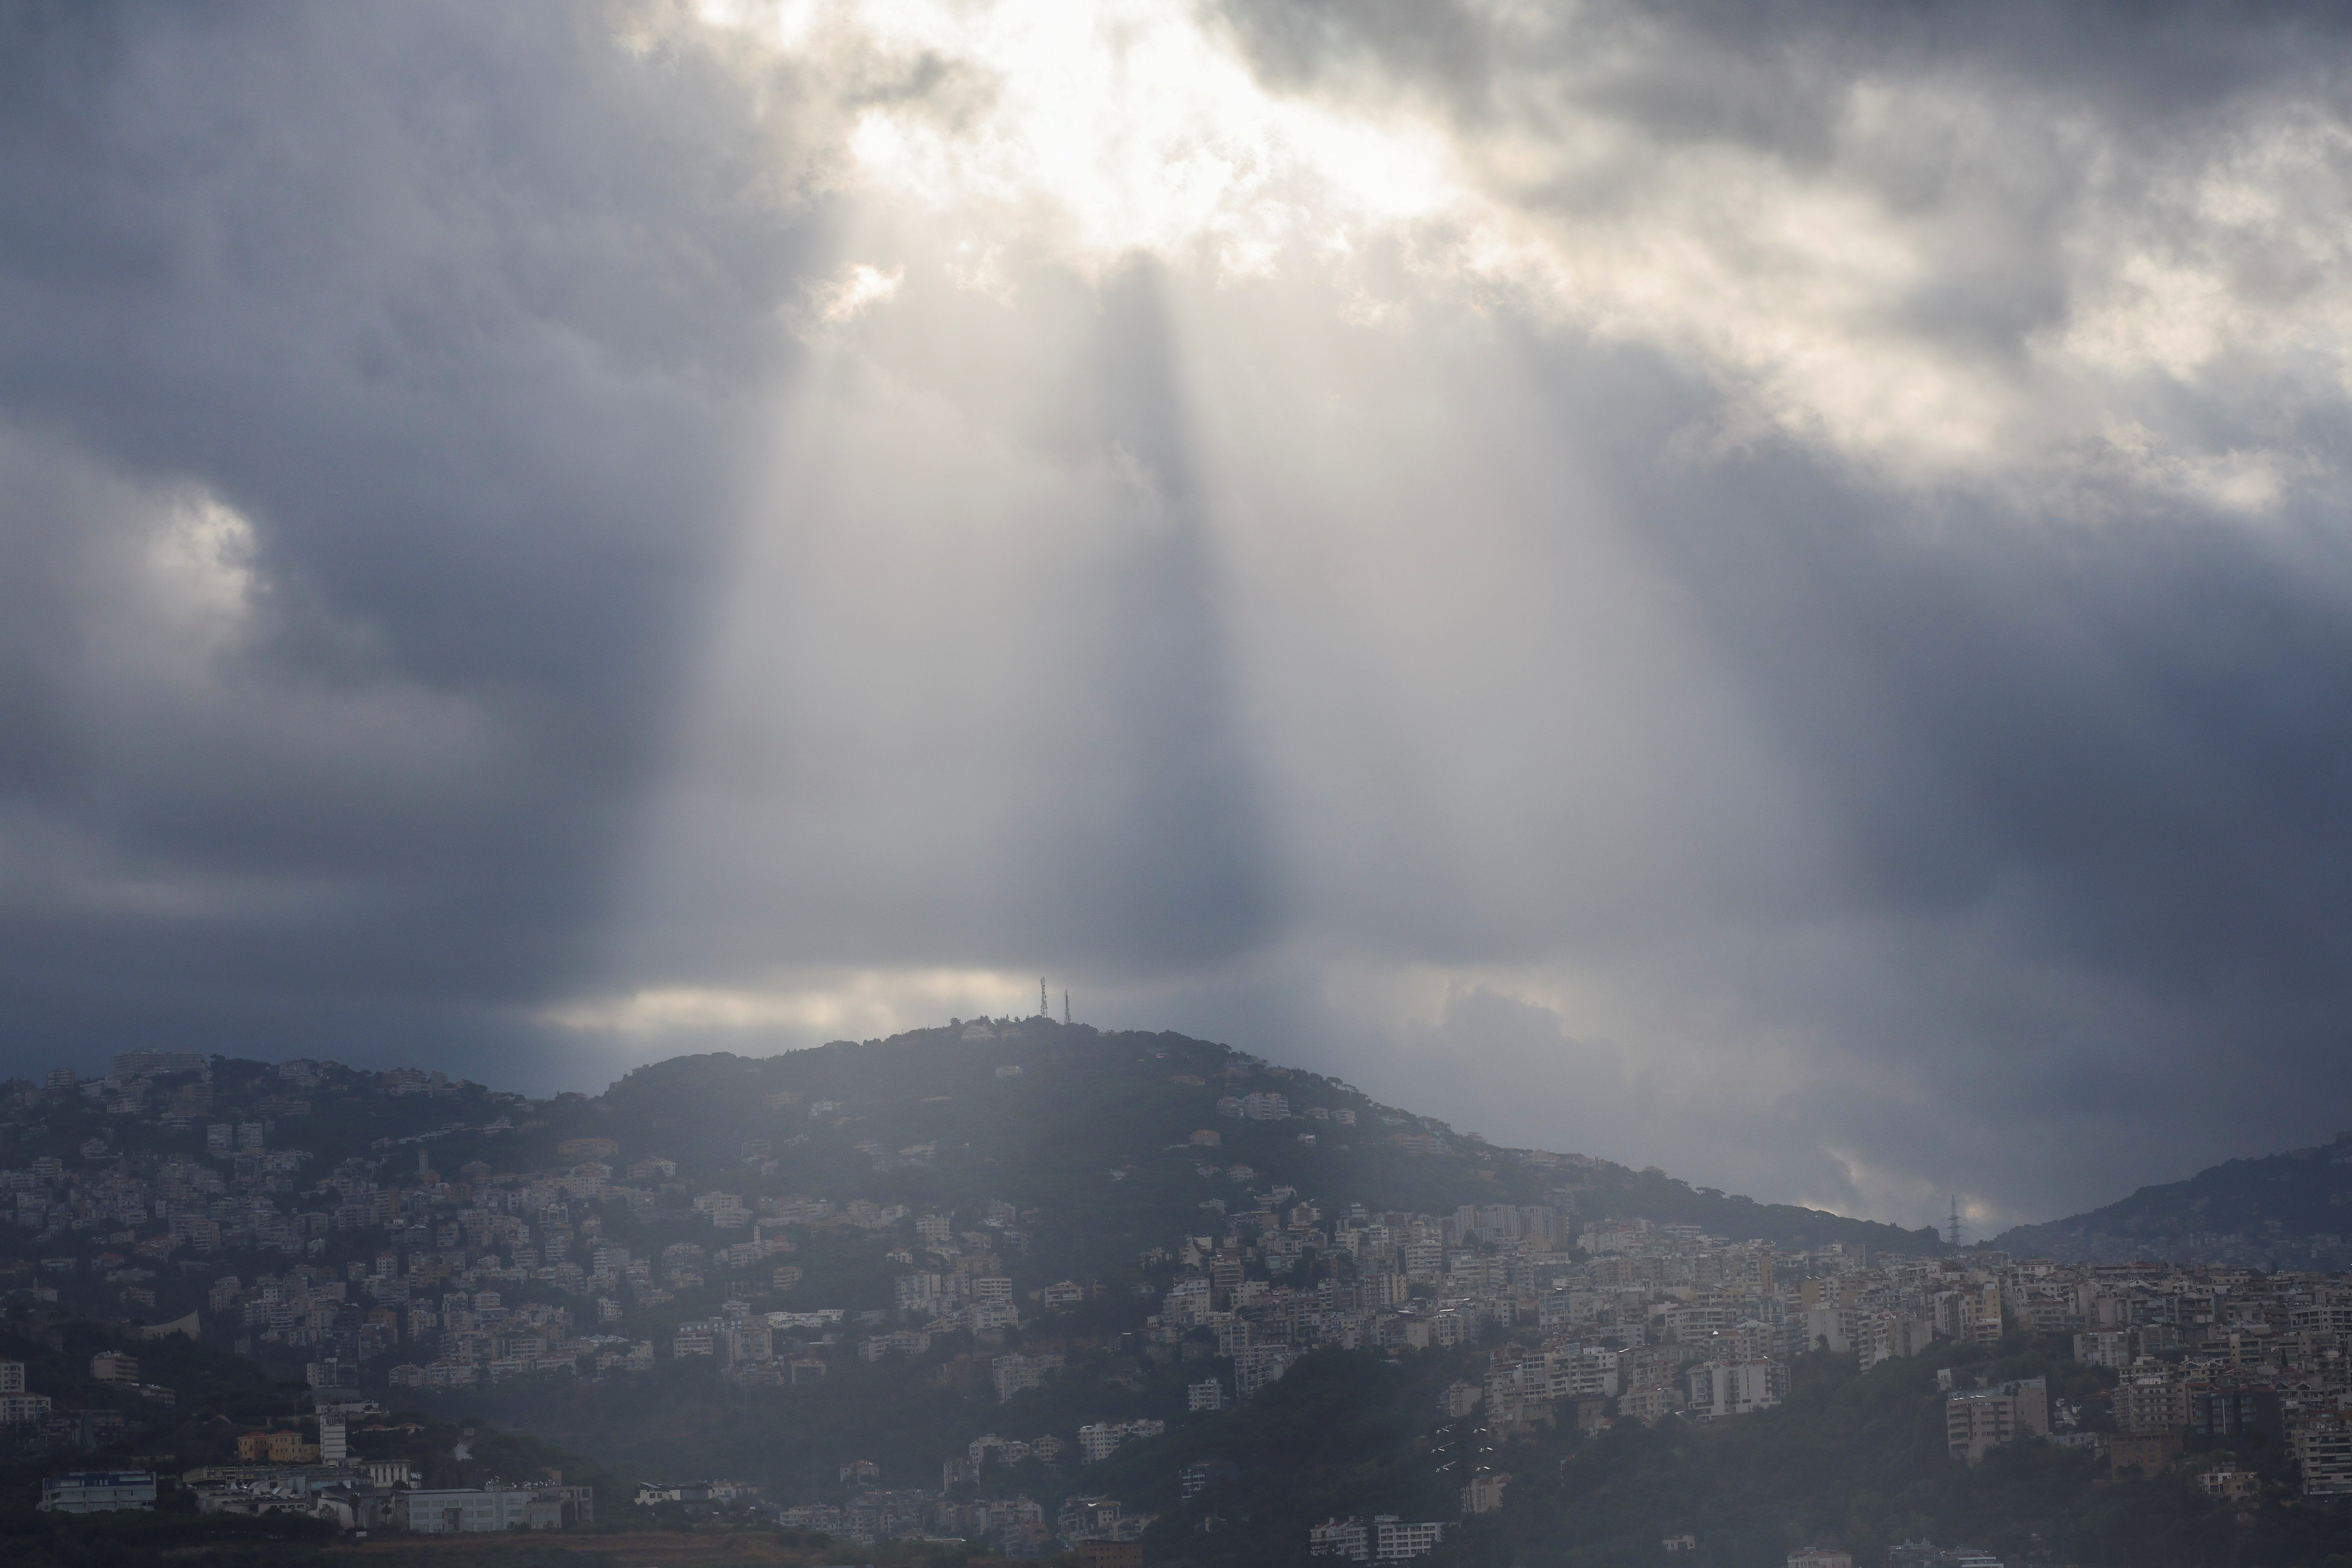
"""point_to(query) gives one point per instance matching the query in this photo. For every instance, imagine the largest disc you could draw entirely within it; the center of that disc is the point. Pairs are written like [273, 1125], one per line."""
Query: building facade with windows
[1984, 1419]
[98, 1492]
[455, 1511]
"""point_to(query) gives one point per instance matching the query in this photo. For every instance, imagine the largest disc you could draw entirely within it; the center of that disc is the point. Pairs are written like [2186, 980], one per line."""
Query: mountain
[1069, 1156]
[2278, 1211]
[1093, 1131]
[296, 1209]
[1017, 1282]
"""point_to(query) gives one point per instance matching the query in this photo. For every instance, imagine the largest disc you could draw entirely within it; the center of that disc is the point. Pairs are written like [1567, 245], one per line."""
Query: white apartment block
[1386, 1539]
[2323, 1449]
[1983, 1418]
[1102, 1439]
[1394, 1539]
[1734, 1388]
[1347, 1538]
[494, 1507]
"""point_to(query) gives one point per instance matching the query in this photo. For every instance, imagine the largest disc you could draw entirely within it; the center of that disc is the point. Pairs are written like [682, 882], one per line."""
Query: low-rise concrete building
[454, 1511]
[98, 1492]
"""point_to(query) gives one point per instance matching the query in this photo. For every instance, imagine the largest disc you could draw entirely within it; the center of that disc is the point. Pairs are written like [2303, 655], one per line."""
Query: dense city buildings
[399, 1268]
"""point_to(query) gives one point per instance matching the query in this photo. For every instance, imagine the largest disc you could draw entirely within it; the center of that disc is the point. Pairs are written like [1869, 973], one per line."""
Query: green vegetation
[1850, 1460]
[135, 1539]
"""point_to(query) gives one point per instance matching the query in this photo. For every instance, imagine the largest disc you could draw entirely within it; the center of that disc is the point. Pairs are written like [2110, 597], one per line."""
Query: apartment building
[454, 1511]
[1734, 1388]
[1983, 1418]
[2322, 1451]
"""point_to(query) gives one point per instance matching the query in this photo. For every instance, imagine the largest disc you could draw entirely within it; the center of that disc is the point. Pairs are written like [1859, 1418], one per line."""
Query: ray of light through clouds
[1760, 590]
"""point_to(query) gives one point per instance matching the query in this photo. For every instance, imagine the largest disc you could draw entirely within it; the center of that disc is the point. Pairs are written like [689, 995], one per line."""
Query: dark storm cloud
[2017, 133]
[421, 321]
[1793, 628]
[1754, 70]
[2072, 727]
[2111, 762]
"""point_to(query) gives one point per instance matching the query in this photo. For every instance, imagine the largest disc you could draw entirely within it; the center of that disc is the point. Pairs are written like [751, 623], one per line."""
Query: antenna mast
[1044, 1008]
[1953, 1233]
[1065, 1007]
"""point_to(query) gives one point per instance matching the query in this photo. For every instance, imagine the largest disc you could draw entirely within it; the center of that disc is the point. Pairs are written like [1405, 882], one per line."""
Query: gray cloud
[1769, 73]
[1784, 619]
[437, 317]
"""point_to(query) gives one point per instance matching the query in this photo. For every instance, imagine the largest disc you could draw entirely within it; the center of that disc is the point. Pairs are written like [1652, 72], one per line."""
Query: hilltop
[330, 1222]
[1078, 1151]
[1093, 1129]
[2277, 1211]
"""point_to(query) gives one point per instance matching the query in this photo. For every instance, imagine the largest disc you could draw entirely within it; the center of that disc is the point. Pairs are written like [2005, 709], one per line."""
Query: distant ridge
[2275, 1210]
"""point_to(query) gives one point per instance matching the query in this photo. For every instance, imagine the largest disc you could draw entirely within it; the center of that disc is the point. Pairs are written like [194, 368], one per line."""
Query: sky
[1757, 588]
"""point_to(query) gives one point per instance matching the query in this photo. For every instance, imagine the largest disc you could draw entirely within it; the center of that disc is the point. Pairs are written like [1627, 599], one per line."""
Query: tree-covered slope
[2292, 1210]
[1853, 1461]
[1092, 1133]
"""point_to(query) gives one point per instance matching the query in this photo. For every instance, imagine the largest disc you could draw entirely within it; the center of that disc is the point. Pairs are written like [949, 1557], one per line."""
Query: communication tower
[1953, 1233]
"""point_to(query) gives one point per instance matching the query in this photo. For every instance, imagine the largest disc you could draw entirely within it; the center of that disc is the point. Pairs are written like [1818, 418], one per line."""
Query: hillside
[1080, 1146]
[179, 1185]
[1005, 1283]
[2279, 1211]
[1857, 1460]
[1091, 1129]
[188, 1409]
